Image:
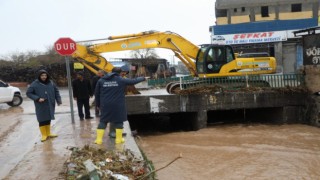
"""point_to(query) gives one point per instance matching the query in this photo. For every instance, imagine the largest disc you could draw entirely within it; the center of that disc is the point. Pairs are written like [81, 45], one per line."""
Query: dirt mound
[219, 89]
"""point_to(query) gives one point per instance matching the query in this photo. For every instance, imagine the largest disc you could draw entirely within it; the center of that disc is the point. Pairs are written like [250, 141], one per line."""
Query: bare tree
[18, 58]
[144, 54]
[50, 51]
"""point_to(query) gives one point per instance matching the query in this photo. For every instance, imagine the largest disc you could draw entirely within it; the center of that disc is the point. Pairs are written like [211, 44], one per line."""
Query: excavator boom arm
[182, 48]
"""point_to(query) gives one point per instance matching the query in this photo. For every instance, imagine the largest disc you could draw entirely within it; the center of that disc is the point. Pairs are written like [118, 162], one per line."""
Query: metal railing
[161, 82]
[235, 82]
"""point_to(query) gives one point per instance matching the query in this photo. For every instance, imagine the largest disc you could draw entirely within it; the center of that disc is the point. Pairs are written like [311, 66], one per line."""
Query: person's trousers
[83, 103]
[44, 123]
[116, 125]
[96, 109]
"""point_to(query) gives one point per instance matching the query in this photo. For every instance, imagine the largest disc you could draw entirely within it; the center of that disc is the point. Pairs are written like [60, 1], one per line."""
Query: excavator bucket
[131, 89]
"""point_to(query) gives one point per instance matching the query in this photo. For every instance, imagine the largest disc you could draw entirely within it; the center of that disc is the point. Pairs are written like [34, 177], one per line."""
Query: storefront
[282, 45]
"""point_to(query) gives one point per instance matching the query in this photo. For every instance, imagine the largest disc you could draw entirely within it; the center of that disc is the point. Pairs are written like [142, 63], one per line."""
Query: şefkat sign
[247, 38]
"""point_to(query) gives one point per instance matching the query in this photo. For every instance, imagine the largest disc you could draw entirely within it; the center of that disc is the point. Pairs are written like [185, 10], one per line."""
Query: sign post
[66, 47]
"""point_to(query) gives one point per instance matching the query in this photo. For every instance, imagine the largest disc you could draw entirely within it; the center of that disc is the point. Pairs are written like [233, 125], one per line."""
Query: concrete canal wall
[312, 78]
[280, 107]
[312, 82]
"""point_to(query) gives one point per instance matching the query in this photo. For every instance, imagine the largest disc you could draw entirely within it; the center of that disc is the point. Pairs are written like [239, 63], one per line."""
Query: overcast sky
[36, 24]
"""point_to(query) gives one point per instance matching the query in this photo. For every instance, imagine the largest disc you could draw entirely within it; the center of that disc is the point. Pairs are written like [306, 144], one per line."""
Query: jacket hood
[42, 71]
[110, 75]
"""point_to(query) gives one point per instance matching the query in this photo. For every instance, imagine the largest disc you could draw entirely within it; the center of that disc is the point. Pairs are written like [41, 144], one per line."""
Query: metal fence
[234, 82]
[161, 82]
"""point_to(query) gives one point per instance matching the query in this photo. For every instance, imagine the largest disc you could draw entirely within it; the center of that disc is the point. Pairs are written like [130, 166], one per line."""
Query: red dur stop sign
[65, 46]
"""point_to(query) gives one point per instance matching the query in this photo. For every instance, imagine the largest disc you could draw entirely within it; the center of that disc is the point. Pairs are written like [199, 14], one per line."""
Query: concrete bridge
[267, 106]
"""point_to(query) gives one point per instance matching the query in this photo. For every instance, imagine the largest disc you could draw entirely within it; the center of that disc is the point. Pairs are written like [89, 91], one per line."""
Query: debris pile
[219, 89]
[289, 89]
[93, 163]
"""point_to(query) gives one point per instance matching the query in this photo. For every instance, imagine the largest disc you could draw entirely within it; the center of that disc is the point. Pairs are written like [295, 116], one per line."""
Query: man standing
[45, 94]
[124, 70]
[81, 93]
[95, 79]
[110, 98]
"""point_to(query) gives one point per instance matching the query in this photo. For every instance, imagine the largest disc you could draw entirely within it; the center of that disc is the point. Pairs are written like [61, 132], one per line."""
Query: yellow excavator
[205, 61]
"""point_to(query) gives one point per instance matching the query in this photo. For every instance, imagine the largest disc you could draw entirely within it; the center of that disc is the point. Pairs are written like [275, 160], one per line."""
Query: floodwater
[231, 151]
[240, 151]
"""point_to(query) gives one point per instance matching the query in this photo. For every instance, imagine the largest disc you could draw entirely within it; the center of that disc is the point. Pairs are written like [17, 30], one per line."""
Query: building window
[221, 13]
[235, 10]
[243, 9]
[264, 11]
[296, 8]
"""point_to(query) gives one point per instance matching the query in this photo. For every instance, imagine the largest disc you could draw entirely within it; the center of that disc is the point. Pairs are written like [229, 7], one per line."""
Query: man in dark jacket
[81, 93]
[44, 93]
[110, 98]
[95, 79]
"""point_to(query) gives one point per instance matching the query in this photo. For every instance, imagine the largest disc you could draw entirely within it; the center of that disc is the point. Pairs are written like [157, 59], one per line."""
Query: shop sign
[247, 38]
[311, 49]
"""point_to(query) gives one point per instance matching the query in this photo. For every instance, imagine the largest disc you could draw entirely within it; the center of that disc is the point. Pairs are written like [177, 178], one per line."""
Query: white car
[10, 95]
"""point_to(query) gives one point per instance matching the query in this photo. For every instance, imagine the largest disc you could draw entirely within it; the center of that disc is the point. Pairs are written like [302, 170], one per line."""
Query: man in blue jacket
[45, 94]
[110, 98]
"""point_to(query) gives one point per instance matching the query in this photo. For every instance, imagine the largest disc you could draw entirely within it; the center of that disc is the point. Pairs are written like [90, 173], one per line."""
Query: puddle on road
[8, 109]
[43, 160]
[3, 107]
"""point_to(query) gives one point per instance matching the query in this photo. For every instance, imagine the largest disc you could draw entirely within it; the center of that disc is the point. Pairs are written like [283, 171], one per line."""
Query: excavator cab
[211, 58]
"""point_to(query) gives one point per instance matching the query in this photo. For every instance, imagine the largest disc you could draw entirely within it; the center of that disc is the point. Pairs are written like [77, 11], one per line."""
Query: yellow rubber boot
[43, 131]
[48, 128]
[100, 133]
[119, 138]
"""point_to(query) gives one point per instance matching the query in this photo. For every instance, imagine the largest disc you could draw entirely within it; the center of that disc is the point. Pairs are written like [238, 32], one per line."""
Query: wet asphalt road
[24, 156]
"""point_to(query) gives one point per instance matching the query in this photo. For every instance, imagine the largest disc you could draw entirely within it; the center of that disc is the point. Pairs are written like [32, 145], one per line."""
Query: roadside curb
[130, 142]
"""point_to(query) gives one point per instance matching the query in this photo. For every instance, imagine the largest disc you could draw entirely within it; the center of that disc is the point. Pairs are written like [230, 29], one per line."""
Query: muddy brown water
[230, 151]
[239, 151]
